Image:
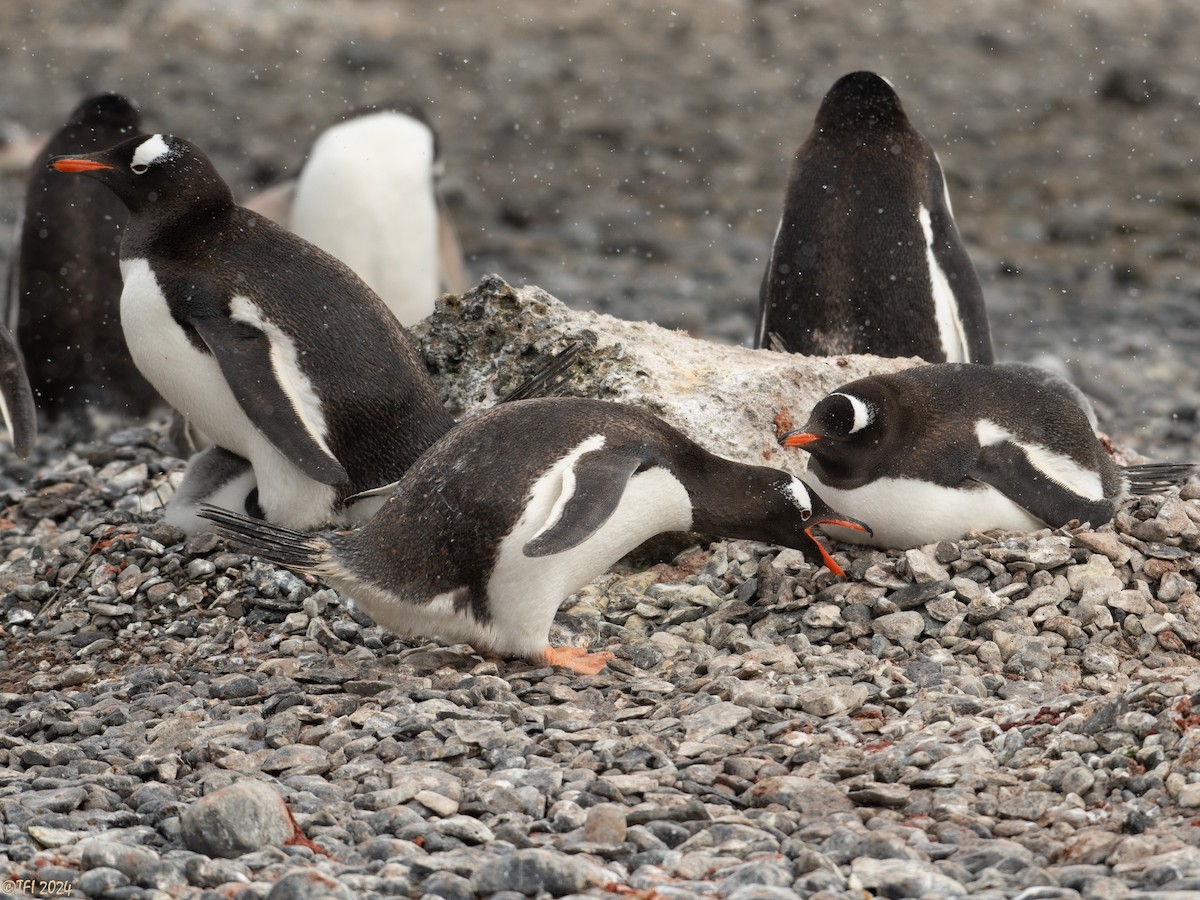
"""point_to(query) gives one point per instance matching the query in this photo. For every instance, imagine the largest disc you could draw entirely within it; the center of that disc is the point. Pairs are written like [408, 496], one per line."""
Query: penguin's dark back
[849, 270]
[68, 280]
[939, 400]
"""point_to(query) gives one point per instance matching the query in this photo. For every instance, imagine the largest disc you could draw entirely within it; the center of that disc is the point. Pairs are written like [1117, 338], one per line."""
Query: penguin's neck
[171, 228]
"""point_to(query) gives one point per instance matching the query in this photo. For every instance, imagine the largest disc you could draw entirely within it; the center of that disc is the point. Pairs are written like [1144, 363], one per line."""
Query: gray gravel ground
[1000, 718]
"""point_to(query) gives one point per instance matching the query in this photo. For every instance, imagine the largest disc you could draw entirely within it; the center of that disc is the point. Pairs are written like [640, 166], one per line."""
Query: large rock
[482, 344]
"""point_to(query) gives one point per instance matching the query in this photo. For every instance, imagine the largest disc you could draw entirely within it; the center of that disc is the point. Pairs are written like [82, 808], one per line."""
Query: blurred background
[631, 158]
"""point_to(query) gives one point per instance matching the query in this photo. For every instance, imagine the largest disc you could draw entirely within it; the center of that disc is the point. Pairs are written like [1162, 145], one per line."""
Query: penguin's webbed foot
[577, 659]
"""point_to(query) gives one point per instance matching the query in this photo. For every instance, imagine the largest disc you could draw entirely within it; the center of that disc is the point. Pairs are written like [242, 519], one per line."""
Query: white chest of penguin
[189, 379]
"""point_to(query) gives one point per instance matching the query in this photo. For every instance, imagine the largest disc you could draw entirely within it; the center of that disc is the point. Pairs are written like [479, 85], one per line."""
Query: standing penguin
[867, 258]
[368, 195]
[935, 452]
[65, 288]
[271, 347]
[592, 481]
[16, 398]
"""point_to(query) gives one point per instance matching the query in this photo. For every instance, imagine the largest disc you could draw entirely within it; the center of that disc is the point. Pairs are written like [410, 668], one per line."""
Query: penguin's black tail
[552, 376]
[1154, 478]
[281, 546]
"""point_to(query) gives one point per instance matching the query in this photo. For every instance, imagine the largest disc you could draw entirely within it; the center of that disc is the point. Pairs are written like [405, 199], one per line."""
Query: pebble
[241, 818]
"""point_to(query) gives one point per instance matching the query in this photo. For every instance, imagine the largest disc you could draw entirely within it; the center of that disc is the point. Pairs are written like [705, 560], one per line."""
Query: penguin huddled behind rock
[490, 566]
[368, 195]
[272, 348]
[936, 452]
[867, 257]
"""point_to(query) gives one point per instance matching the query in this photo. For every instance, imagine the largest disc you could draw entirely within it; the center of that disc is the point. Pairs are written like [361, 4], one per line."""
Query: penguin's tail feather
[1154, 478]
[547, 381]
[293, 550]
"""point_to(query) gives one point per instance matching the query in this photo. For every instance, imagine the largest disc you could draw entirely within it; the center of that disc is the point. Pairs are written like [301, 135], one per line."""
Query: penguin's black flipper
[1154, 478]
[591, 491]
[1007, 468]
[247, 360]
[16, 396]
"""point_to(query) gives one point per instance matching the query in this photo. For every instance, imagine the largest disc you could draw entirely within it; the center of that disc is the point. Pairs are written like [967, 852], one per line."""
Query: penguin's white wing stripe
[763, 313]
[950, 325]
[566, 485]
[1055, 466]
[285, 362]
[945, 187]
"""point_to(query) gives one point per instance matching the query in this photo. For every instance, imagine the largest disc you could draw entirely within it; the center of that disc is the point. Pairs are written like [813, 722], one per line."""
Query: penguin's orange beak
[76, 164]
[798, 438]
[826, 559]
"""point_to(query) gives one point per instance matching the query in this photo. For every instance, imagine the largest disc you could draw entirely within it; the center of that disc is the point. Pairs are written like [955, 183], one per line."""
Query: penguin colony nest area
[1004, 716]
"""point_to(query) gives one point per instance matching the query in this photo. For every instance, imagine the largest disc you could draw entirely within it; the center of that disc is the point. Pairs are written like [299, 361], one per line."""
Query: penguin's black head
[113, 110]
[840, 418]
[152, 171]
[809, 511]
[858, 99]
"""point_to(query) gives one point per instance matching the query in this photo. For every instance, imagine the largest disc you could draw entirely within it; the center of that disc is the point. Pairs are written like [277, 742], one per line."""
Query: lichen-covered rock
[732, 400]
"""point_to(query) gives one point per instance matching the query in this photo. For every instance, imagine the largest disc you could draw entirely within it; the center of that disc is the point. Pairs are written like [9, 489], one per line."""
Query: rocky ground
[1006, 717]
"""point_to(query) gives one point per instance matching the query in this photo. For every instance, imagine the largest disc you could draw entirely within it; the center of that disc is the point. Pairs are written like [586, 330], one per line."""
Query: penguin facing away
[938, 451]
[368, 195]
[66, 286]
[490, 567]
[272, 348]
[867, 257]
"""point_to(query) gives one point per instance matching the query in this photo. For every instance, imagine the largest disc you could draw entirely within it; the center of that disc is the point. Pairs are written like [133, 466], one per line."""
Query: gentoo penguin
[271, 347]
[16, 398]
[481, 543]
[65, 294]
[867, 258]
[368, 195]
[938, 451]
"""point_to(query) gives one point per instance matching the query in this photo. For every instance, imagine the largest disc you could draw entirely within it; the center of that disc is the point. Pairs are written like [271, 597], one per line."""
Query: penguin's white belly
[904, 512]
[192, 382]
[525, 592]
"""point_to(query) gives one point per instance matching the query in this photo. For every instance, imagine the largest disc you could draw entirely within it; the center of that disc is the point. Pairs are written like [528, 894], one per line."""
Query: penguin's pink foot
[576, 659]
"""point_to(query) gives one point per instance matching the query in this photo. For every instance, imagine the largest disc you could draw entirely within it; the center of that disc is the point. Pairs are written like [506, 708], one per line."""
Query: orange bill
[76, 164]
[853, 524]
[826, 559]
[798, 438]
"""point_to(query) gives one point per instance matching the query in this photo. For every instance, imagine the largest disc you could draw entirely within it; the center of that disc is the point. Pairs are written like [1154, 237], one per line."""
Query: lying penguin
[521, 505]
[867, 258]
[272, 348]
[935, 452]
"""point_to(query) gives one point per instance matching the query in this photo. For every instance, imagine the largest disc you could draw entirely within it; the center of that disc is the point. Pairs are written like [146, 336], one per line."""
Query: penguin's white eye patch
[862, 413]
[150, 151]
[800, 496]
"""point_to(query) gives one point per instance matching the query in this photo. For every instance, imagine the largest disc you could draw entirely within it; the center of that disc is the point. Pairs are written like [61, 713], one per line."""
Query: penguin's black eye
[139, 168]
